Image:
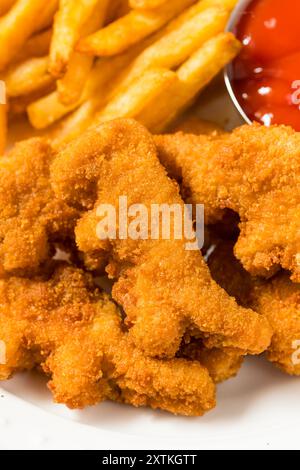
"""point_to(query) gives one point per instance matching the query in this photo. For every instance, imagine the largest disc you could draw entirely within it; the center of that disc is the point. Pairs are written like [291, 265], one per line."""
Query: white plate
[260, 409]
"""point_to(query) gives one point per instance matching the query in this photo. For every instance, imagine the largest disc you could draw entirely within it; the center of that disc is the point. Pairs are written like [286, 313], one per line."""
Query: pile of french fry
[70, 64]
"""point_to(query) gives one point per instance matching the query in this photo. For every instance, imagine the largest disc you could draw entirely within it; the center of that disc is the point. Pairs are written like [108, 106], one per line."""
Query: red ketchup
[266, 75]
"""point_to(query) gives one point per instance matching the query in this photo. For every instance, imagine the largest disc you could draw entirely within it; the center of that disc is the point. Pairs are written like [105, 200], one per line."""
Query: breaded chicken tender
[31, 217]
[163, 288]
[278, 300]
[254, 171]
[63, 324]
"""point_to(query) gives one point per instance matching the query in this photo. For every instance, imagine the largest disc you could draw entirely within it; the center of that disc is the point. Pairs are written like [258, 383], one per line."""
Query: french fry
[130, 29]
[72, 126]
[68, 24]
[18, 105]
[45, 21]
[36, 46]
[194, 10]
[171, 50]
[17, 26]
[102, 78]
[145, 4]
[27, 77]
[48, 109]
[193, 76]
[71, 86]
[126, 104]
[129, 103]
[116, 9]
[5, 5]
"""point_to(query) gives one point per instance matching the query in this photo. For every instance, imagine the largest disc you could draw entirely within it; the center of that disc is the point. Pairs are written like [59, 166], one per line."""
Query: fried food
[222, 364]
[255, 171]
[24, 19]
[192, 48]
[31, 218]
[28, 77]
[63, 324]
[70, 20]
[193, 76]
[48, 60]
[278, 300]
[5, 6]
[118, 160]
[128, 30]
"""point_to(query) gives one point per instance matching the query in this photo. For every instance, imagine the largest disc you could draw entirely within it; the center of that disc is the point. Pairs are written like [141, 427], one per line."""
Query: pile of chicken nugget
[103, 86]
[177, 322]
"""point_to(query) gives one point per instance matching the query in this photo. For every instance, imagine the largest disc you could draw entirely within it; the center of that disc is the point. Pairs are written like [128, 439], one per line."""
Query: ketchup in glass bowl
[265, 77]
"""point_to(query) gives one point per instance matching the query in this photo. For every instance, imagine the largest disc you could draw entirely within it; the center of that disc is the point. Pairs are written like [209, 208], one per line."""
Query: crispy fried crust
[162, 287]
[222, 364]
[64, 324]
[277, 299]
[31, 217]
[255, 171]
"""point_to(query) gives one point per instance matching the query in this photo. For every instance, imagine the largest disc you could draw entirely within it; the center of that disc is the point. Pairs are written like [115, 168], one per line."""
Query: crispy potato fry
[45, 21]
[72, 126]
[27, 77]
[130, 29]
[18, 105]
[97, 90]
[129, 103]
[69, 21]
[45, 111]
[174, 48]
[71, 86]
[17, 26]
[145, 4]
[193, 76]
[5, 5]
[116, 9]
[194, 10]
[36, 46]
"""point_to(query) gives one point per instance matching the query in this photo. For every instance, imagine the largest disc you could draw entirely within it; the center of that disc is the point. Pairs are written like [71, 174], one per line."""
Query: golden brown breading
[229, 273]
[31, 217]
[277, 299]
[222, 364]
[74, 332]
[255, 171]
[162, 287]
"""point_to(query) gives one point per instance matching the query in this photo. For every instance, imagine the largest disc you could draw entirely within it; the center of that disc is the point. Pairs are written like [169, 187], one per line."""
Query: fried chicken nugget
[31, 217]
[222, 364]
[255, 171]
[74, 332]
[277, 299]
[163, 288]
